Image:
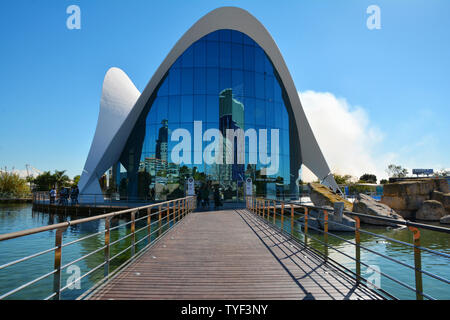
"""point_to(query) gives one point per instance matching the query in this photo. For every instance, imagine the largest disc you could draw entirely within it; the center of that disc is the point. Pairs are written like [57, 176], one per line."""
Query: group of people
[64, 195]
[203, 194]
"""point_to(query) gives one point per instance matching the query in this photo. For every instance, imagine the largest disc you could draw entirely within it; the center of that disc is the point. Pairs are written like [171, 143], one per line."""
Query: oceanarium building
[225, 74]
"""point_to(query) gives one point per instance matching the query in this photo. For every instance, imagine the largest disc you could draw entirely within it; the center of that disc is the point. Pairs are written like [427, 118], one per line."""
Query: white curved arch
[240, 20]
[119, 95]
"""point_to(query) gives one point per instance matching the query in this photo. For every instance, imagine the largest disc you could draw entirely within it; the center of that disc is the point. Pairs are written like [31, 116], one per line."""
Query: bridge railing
[293, 213]
[158, 218]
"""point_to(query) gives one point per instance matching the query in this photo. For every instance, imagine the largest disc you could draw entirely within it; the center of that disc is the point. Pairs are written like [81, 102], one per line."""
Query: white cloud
[345, 136]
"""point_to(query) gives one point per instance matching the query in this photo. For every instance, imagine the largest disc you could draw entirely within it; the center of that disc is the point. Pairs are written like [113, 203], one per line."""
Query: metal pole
[57, 265]
[306, 226]
[358, 249]
[159, 221]
[133, 229]
[417, 263]
[107, 240]
[282, 216]
[325, 229]
[292, 219]
[149, 224]
[274, 212]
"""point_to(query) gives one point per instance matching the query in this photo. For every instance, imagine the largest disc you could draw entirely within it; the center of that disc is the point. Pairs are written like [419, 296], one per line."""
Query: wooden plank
[229, 255]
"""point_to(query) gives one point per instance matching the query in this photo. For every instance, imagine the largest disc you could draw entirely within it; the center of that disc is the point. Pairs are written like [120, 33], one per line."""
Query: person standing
[52, 195]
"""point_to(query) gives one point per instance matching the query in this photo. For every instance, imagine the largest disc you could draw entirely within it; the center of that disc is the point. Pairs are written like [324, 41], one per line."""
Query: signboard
[248, 187]
[423, 171]
[190, 187]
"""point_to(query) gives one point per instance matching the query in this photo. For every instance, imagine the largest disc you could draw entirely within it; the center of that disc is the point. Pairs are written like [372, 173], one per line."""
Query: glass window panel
[259, 59]
[237, 37]
[212, 109]
[249, 58]
[278, 115]
[249, 113]
[199, 107]
[174, 109]
[199, 80]
[152, 115]
[225, 79]
[284, 118]
[249, 84]
[247, 40]
[200, 54]
[237, 77]
[225, 35]
[214, 36]
[277, 93]
[212, 81]
[187, 80]
[212, 54]
[177, 63]
[163, 104]
[269, 87]
[174, 81]
[259, 86]
[187, 108]
[260, 117]
[268, 68]
[237, 56]
[225, 54]
[164, 88]
[270, 119]
[188, 58]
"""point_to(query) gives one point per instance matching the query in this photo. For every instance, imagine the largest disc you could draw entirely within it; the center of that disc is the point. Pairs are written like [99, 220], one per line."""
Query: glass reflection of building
[226, 81]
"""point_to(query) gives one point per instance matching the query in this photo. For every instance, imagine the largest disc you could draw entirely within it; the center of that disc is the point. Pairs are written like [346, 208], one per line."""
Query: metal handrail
[258, 206]
[177, 209]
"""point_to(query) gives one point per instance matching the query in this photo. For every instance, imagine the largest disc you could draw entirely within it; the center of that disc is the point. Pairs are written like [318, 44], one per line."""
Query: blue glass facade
[226, 81]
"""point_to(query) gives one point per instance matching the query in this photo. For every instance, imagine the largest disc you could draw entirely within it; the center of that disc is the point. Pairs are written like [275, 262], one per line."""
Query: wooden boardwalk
[229, 254]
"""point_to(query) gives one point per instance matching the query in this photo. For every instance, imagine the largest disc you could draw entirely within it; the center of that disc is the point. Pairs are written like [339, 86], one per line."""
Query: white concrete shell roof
[111, 137]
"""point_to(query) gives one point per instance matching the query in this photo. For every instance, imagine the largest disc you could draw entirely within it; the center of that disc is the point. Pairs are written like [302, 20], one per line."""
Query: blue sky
[51, 76]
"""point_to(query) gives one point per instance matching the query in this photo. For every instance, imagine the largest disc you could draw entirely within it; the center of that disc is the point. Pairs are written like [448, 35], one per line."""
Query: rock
[441, 184]
[405, 204]
[445, 219]
[322, 196]
[334, 222]
[312, 223]
[367, 205]
[409, 188]
[438, 196]
[431, 210]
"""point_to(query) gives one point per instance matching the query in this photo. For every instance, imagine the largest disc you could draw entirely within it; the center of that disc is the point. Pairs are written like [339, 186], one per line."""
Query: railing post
[264, 210]
[149, 224]
[274, 212]
[57, 265]
[358, 249]
[306, 225]
[325, 230]
[133, 234]
[175, 213]
[159, 220]
[292, 219]
[282, 216]
[417, 263]
[107, 248]
[168, 214]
